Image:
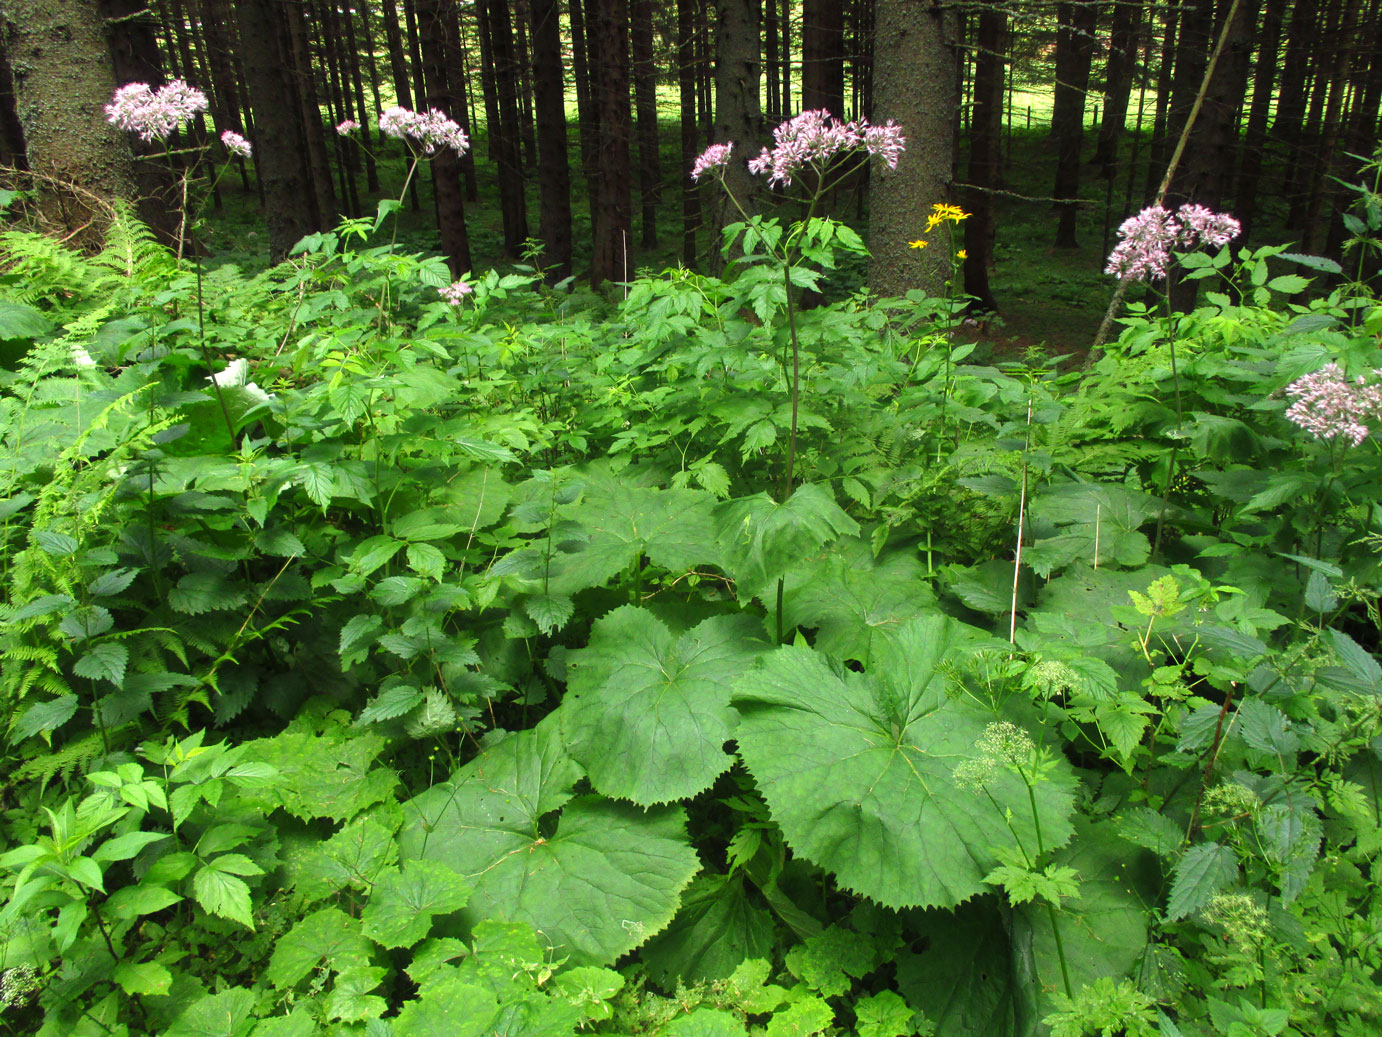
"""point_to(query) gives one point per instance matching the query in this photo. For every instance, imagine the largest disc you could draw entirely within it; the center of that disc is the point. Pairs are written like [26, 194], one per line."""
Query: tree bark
[446, 181]
[280, 145]
[1122, 61]
[460, 90]
[645, 100]
[1074, 52]
[609, 54]
[1255, 141]
[304, 89]
[12, 152]
[985, 137]
[1159, 150]
[914, 83]
[686, 82]
[737, 116]
[62, 80]
[505, 135]
[822, 56]
[553, 172]
[398, 61]
[356, 85]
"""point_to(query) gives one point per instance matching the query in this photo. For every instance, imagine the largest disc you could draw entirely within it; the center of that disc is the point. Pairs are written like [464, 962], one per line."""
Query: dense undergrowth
[378, 665]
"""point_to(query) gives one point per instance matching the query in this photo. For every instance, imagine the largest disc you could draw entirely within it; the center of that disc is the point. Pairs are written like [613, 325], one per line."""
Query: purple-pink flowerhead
[346, 127]
[455, 292]
[153, 114]
[1327, 404]
[1144, 254]
[429, 130]
[236, 144]
[712, 158]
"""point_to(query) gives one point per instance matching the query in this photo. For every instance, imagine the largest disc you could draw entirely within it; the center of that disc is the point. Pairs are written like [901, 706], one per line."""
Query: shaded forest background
[1057, 118]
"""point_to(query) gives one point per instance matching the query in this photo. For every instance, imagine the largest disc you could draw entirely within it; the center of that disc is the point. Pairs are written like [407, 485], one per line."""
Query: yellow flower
[919, 243]
[962, 254]
[942, 211]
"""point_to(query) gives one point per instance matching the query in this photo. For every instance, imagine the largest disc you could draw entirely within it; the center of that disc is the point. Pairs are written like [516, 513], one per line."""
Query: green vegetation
[378, 665]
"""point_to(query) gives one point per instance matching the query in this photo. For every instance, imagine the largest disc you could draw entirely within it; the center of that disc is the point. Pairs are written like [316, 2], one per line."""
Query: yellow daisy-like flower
[919, 243]
[962, 254]
[942, 211]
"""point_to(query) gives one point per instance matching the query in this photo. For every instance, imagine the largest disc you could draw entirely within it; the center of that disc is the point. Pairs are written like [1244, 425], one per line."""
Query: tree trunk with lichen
[913, 83]
[63, 79]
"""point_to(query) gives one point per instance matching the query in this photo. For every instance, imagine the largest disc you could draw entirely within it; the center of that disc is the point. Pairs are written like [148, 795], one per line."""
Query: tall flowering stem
[1146, 252]
[815, 143]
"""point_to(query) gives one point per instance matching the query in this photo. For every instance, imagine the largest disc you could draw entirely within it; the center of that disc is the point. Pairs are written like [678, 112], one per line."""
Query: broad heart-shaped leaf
[1103, 932]
[762, 539]
[647, 713]
[717, 928]
[227, 1014]
[849, 597]
[621, 520]
[597, 883]
[448, 1008]
[402, 904]
[858, 770]
[1098, 524]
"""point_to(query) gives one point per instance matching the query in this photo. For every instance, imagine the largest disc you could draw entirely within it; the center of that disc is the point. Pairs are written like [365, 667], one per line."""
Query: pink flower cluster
[1327, 404]
[1144, 254]
[153, 114]
[236, 144]
[347, 126]
[454, 293]
[712, 158]
[429, 130]
[812, 138]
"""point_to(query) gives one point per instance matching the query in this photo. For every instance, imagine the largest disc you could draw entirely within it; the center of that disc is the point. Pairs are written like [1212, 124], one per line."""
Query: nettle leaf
[329, 936]
[204, 592]
[112, 582]
[763, 539]
[389, 704]
[105, 661]
[550, 612]
[597, 881]
[1203, 871]
[848, 597]
[858, 770]
[720, 924]
[43, 717]
[402, 903]
[647, 713]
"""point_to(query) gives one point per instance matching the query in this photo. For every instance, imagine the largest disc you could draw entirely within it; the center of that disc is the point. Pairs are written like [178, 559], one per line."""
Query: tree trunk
[446, 180]
[609, 54]
[737, 117]
[822, 56]
[1074, 52]
[280, 145]
[1160, 149]
[686, 83]
[645, 100]
[787, 109]
[1255, 142]
[215, 19]
[460, 90]
[1320, 190]
[1122, 60]
[505, 134]
[526, 122]
[356, 85]
[62, 80]
[771, 40]
[553, 172]
[304, 89]
[398, 61]
[11, 132]
[585, 101]
[914, 83]
[338, 104]
[985, 136]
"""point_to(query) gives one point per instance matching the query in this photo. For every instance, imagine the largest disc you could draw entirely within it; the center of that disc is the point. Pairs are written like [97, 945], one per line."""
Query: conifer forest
[722, 518]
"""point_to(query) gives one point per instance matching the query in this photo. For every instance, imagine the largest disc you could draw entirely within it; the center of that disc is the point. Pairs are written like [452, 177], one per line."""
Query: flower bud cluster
[154, 114]
[429, 130]
[1329, 405]
[813, 139]
[1144, 254]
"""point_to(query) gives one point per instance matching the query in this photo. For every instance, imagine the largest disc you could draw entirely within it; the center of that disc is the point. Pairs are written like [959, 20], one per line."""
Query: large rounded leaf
[859, 771]
[597, 880]
[647, 713]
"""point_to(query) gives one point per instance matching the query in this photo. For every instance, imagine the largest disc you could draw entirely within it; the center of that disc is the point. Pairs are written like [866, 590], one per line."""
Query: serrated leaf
[142, 979]
[450, 1007]
[223, 894]
[802, 1018]
[884, 1014]
[86, 621]
[1358, 662]
[227, 1014]
[329, 936]
[402, 903]
[550, 612]
[859, 771]
[962, 978]
[59, 545]
[358, 630]
[1200, 873]
[45, 716]
[830, 961]
[1288, 283]
[355, 856]
[762, 539]
[647, 713]
[597, 883]
[435, 716]
[331, 775]
[706, 1022]
[426, 560]
[112, 582]
[1151, 830]
[197, 593]
[719, 926]
[104, 661]
[389, 704]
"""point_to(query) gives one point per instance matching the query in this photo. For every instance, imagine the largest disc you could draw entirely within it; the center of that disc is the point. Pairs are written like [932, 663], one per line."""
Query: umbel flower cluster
[154, 114]
[428, 130]
[1328, 405]
[811, 140]
[1149, 238]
